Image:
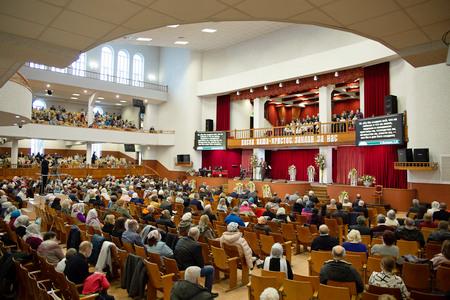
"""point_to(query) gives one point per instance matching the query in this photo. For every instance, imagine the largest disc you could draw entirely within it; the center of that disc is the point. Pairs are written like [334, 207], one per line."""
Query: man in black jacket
[77, 267]
[442, 214]
[340, 213]
[188, 252]
[189, 288]
[324, 241]
[361, 208]
[337, 269]
[44, 174]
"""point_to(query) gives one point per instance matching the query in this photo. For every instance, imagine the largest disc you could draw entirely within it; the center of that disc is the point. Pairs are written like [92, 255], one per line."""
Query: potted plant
[320, 163]
[191, 172]
[342, 195]
[367, 180]
[311, 173]
[253, 164]
[353, 176]
[292, 170]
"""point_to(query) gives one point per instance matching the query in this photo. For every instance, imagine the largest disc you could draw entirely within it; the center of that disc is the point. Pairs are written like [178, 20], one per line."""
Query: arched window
[98, 109]
[107, 64]
[123, 67]
[138, 70]
[39, 104]
[79, 66]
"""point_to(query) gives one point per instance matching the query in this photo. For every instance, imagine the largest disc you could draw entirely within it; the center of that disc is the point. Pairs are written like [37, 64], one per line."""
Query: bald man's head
[338, 252]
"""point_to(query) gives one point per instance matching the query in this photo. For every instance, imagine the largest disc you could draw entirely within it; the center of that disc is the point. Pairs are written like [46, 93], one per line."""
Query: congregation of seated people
[154, 221]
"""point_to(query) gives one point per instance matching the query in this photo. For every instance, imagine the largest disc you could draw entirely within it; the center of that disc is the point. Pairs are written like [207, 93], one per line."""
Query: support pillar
[90, 112]
[326, 176]
[88, 153]
[14, 153]
[361, 95]
[258, 122]
[150, 116]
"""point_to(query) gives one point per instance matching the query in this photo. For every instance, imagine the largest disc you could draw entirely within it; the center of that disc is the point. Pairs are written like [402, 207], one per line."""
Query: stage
[397, 198]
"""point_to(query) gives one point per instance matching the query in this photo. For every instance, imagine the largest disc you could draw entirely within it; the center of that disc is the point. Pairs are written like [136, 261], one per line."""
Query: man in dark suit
[381, 227]
[312, 197]
[442, 214]
[340, 213]
[324, 241]
[361, 208]
[417, 209]
[77, 267]
[358, 198]
[44, 174]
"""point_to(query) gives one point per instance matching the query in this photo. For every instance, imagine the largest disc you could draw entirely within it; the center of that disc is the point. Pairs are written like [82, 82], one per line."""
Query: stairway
[320, 190]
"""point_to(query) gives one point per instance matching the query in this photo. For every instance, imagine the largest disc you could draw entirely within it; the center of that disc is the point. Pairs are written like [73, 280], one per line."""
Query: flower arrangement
[267, 193]
[342, 195]
[251, 186]
[253, 161]
[320, 161]
[292, 167]
[239, 188]
[353, 176]
[367, 180]
[311, 171]
[190, 172]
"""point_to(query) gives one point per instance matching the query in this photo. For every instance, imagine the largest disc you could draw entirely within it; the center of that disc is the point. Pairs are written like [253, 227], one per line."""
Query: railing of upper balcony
[98, 76]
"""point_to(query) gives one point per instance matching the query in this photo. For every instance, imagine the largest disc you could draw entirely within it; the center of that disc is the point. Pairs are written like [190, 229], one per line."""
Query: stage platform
[398, 198]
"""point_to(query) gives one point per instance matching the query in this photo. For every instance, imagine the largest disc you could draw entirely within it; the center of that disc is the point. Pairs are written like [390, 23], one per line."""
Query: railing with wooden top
[318, 133]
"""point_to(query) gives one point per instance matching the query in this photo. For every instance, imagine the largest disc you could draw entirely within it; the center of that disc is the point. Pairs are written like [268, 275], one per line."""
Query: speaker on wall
[390, 105]
[209, 125]
[405, 155]
[421, 155]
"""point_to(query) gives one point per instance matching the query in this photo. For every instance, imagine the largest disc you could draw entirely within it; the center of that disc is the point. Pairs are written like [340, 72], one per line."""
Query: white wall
[240, 112]
[131, 113]
[209, 107]
[285, 44]
[180, 69]
[425, 94]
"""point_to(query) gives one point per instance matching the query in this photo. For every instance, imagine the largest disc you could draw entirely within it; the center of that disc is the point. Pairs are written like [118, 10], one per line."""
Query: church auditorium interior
[224, 149]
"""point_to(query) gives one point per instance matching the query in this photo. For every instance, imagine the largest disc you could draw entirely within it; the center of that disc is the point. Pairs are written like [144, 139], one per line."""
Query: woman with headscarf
[434, 207]
[21, 224]
[391, 219]
[78, 212]
[281, 216]
[155, 245]
[275, 262]
[92, 219]
[185, 224]
[33, 236]
[56, 204]
[222, 205]
[245, 209]
[208, 211]
[13, 216]
[233, 237]
[7, 209]
[119, 227]
[104, 194]
[65, 206]
[205, 230]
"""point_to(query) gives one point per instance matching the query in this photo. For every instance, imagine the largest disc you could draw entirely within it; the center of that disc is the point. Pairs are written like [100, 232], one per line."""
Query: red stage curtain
[224, 158]
[280, 161]
[348, 105]
[377, 161]
[288, 118]
[376, 87]
[223, 113]
[271, 114]
[311, 110]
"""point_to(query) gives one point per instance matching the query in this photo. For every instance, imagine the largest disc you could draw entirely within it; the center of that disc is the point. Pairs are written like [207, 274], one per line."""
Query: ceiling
[65, 92]
[54, 32]
[227, 34]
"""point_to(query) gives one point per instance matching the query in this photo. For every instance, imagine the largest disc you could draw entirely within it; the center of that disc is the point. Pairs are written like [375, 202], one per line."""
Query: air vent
[445, 168]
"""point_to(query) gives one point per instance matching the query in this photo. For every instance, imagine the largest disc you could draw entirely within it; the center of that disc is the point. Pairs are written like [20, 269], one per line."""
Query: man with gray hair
[337, 269]
[409, 232]
[269, 294]
[381, 226]
[417, 209]
[188, 253]
[189, 288]
[442, 214]
[324, 241]
[361, 226]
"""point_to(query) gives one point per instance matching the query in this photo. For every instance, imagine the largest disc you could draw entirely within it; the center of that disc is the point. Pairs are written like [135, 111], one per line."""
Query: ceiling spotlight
[266, 88]
[143, 39]
[17, 117]
[76, 95]
[15, 124]
[280, 84]
[48, 85]
[173, 26]
[238, 93]
[117, 96]
[123, 101]
[209, 30]
[302, 105]
[85, 91]
[100, 98]
[181, 43]
[315, 78]
[74, 98]
[145, 101]
[251, 90]
[336, 74]
[297, 81]
[98, 101]
[119, 104]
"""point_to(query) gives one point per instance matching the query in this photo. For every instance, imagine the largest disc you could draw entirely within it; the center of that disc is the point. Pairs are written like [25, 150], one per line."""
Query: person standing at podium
[44, 174]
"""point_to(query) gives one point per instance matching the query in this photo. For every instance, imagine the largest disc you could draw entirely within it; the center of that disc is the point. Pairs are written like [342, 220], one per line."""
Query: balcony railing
[103, 77]
[315, 129]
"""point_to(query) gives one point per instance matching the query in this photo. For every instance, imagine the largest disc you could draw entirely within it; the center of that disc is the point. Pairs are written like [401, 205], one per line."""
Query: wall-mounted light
[316, 78]
[237, 93]
[297, 81]
[266, 88]
[336, 74]
[251, 90]
[280, 84]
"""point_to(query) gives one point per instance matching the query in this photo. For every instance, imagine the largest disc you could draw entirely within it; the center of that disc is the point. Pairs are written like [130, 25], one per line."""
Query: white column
[258, 122]
[151, 116]
[88, 153]
[325, 116]
[361, 95]
[90, 112]
[14, 153]
[148, 153]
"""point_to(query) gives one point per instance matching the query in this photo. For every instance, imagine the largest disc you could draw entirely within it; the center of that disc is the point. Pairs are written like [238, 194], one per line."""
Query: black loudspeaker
[209, 125]
[390, 105]
[405, 155]
[421, 155]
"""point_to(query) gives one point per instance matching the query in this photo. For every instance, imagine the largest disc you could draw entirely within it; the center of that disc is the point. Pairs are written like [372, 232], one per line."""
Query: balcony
[318, 134]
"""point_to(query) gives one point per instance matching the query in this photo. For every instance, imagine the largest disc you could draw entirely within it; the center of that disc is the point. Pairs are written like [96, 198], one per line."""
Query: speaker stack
[209, 125]
[390, 105]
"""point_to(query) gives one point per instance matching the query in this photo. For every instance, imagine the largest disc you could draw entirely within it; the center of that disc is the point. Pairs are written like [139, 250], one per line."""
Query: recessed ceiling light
[181, 43]
[48, 85]
[15, 124]
[251, 90]
[315, 77]
[76, 95]
[123, 101]
[302, 105]
[280, 84]
[143, 39]
[100, 98]
[145, 100]
[17, 117]
[85, 91]
[74, 98]
[297, 81]
[98, 101]
[117, 96]
[265, 88]
[238, 93]
[209, 30]
[173, 26]
[336, 74]
[118, 104]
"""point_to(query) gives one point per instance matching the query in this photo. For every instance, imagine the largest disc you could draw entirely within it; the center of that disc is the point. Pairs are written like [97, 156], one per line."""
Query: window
[37, 146]
[59, 70]
[107, 64]
[138, 70]
[38, 66]
[123, 67]
[39, 104]
[97, 148]
[98, 109]
[79, 66]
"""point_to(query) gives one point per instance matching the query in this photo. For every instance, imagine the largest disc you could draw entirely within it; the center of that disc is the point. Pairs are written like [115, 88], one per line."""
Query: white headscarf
[33, 230]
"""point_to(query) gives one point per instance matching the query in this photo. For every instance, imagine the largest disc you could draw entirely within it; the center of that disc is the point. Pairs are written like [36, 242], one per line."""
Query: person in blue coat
[234, 217]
